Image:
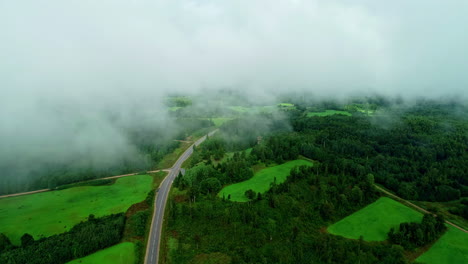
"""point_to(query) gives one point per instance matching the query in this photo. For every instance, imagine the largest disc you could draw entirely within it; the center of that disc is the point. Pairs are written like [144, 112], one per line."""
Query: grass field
[261, 180]
[123, 253]
[54, 212]
[452, 247]
[375, 220]
[328, 113]
[253, 109]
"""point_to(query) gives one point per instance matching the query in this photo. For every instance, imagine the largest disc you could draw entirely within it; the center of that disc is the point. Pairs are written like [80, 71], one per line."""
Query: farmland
[122, 253]
[452, 247]
[375, 220]
[260, 182]
[54, 212]
[328, 113]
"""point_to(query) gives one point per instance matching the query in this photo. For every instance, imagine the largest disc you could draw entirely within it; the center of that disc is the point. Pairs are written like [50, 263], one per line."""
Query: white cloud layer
[89, 56]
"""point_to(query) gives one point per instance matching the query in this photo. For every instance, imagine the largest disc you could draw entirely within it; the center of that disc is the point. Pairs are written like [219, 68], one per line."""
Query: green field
[452, 247]
[260, 182]
[328, 113]
[174, 108]
[54, 212]
[123, 253]
[253, 109]
[375, 220]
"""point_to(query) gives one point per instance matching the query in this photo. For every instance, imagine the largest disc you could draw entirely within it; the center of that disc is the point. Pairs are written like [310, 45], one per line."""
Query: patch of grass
[286, 106]
[452, 247]
[253, 109]
[328, 113]
[261, 180]
[54, 212]
[174, 108]
[375, 220]
[123, 253]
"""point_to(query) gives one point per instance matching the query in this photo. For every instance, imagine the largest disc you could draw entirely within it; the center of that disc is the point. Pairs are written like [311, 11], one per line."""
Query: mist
[73, 73]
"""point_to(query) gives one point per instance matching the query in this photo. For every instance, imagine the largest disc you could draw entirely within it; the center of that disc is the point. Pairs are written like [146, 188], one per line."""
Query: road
[152, 249]
[415, 206]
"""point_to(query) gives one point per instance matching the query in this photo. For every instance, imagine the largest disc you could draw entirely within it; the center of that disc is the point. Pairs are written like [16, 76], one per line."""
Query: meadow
[261, 180]
[253, 109]
[375, 220]
[328, 113]
[452, 247]
[48, 213]
[123, 253]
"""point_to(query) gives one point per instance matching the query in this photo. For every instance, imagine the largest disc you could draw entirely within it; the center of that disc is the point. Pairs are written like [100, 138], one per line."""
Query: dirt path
[23, 193]
[415, 206]
[106, 178]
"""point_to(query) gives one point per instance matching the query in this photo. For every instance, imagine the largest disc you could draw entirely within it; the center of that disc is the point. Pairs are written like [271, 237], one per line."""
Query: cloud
[64, 63]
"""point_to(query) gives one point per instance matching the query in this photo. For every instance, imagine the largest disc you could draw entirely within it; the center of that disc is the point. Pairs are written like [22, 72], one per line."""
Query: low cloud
[65, 66]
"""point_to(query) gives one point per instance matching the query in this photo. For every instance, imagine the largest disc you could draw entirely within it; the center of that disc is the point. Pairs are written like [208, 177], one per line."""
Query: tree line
[82, 240]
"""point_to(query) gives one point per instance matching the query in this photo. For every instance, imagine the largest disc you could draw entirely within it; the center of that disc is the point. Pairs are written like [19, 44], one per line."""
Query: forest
[419, 152]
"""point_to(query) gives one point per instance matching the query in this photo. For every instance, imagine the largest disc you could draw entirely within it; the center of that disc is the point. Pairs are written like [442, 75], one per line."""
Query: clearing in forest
[452, 247]
[260, 182]
[55, 212]
[375, 220]
[328, 113]
[122, 253]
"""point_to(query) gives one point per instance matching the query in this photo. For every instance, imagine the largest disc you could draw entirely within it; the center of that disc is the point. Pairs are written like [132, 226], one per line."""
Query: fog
[65, 66]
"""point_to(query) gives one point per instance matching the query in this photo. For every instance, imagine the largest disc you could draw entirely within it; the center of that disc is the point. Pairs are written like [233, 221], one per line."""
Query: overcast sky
[63, 62]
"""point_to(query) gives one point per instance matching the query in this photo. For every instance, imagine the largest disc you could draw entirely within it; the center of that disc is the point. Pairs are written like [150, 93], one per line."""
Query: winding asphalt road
[152, 249]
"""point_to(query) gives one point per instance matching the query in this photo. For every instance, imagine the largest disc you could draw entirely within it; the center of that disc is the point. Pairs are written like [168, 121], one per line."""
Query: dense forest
[419, 152]
[281, 226]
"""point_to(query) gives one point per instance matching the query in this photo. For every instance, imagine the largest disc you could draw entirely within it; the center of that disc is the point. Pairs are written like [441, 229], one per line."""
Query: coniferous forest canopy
[419, 152]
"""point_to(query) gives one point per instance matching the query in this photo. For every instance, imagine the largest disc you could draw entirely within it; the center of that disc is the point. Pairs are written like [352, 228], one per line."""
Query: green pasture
[375, 220]
[253, 109]
[328, 113]
[261, 180]
[174, 108]
[123, 253]
[54, 212]
[452, 247]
